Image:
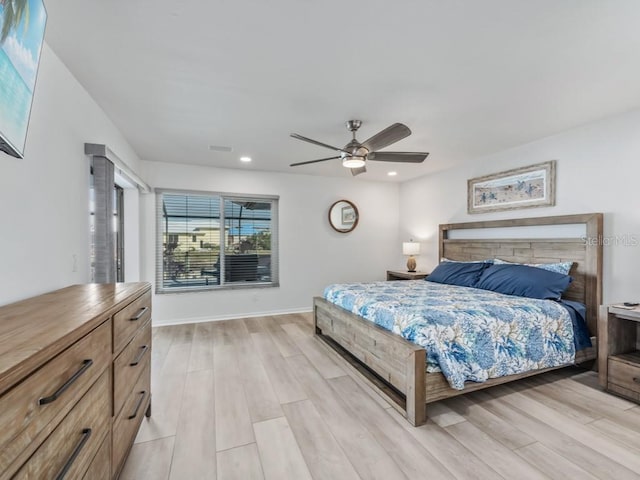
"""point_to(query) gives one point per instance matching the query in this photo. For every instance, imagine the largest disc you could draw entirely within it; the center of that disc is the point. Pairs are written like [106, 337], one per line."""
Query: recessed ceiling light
[392, 174]
[245, 159]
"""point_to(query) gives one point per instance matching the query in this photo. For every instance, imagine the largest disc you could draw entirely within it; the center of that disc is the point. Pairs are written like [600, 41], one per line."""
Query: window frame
[118, 206]
[275, 260]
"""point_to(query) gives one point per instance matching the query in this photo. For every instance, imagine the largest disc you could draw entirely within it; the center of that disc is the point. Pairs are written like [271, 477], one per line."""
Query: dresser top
[621, 311]
[34, 330]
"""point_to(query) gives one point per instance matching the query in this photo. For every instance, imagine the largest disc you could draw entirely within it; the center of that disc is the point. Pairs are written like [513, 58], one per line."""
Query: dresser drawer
[100, 468]
[125, 425]
[70, 449]
[130, 319]
[129, 364]
[31, 409]
[624, 374]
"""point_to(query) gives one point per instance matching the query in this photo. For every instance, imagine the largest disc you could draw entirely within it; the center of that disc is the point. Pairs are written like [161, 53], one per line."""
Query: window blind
[215, 240]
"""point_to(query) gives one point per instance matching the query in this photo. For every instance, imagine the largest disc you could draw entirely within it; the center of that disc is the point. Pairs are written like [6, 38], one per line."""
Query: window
[209, 241]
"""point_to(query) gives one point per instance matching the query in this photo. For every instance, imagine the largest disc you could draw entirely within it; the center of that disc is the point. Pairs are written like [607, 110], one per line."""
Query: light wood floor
[261, 398]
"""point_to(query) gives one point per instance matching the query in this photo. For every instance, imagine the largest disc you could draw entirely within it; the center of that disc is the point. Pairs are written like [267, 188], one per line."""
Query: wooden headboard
[586, 253]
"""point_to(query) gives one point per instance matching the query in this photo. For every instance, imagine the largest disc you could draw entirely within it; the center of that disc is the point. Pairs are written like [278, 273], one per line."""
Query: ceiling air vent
[220, 148]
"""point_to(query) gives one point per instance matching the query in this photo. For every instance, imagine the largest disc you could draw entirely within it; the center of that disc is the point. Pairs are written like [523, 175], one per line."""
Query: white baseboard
[217, 318]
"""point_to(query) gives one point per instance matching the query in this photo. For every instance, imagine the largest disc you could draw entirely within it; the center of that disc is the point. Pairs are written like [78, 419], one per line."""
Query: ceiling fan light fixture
[353, 161]
[355, 155]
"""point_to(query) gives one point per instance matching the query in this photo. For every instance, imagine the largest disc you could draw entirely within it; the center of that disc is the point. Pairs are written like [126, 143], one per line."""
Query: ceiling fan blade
[407, 157]
[358, 171]
[386, 137]
[313, 161]
[315, 142]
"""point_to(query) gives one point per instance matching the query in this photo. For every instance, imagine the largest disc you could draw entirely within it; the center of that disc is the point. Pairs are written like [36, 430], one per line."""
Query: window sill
[213, 288]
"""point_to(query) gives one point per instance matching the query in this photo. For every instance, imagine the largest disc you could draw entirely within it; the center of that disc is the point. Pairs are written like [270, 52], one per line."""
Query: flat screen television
[22, 24]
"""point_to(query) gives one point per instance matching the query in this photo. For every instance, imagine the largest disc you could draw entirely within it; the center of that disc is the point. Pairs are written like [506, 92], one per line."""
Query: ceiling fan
[355, 155]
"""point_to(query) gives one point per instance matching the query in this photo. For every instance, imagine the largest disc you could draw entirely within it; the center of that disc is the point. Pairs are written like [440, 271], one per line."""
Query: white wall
[312, 255]
[598, 170]
[44, 197]
[44, 207]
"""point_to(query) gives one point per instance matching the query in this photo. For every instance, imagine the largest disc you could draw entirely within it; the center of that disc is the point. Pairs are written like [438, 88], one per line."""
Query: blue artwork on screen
[22, 24]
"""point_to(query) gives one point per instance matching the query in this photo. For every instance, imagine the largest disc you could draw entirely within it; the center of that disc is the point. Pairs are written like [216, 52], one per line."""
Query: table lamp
[411, 248]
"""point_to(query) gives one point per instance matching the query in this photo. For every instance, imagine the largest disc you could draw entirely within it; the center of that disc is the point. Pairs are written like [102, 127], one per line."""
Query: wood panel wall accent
[396, 368]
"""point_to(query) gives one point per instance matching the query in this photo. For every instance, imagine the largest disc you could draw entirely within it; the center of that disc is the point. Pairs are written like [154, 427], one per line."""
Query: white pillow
[560, 267]
[489, 260]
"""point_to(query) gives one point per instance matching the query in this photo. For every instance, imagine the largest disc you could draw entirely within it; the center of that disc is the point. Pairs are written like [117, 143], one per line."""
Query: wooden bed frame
[396, 368]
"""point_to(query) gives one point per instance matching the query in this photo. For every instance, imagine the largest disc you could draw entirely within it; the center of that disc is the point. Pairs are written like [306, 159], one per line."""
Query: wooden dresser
[74, 381]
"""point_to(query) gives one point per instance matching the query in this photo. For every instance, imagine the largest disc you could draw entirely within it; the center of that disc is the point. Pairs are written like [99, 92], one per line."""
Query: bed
[397, 368]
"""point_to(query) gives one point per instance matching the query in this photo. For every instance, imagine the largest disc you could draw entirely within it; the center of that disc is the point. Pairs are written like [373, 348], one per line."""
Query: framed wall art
[526, 187]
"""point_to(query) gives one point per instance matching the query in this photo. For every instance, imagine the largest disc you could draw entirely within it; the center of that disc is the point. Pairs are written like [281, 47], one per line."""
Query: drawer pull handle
[142, 311]
[143, 350]
[52, 398]
[86, 434]
[138, 405]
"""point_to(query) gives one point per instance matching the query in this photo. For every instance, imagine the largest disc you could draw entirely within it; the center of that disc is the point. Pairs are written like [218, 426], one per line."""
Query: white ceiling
[468, 77]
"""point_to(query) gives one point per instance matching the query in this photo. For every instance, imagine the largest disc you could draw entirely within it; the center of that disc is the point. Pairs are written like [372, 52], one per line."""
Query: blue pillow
[457, 273]
[524, 281]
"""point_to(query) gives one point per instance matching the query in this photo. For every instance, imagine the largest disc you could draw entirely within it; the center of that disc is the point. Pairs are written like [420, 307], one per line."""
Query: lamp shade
[410, 248]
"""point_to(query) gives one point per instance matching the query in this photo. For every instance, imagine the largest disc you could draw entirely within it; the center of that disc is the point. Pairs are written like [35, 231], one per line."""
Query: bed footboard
[396, 361]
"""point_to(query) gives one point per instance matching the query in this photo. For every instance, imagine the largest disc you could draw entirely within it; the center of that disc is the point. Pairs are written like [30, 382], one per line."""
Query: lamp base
[411, 264]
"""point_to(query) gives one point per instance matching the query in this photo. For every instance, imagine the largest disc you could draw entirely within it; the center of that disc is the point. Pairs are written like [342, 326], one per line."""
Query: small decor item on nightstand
[411, 248]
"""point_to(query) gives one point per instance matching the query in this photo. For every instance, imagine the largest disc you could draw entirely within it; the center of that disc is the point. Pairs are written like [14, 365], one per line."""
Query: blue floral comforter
[468, 333]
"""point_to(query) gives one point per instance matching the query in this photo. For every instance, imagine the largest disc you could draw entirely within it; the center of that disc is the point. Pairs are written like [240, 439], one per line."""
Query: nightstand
[619, 351]
[404, 275]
